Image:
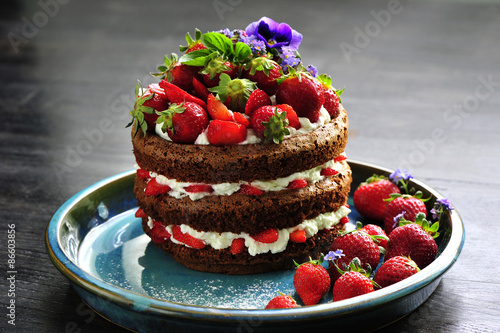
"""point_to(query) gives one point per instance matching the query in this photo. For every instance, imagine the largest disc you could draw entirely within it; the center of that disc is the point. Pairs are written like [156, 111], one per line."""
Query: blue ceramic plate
[97, 243]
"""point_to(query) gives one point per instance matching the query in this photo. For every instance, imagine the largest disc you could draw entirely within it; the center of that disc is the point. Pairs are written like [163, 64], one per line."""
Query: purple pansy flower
[275, 35]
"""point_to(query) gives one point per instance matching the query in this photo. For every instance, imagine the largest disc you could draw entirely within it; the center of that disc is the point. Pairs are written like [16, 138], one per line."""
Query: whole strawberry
[147, 103]
[311, 281]
[405, 206]
[178, 74]
[332, 96]
[282, 302]
[303, 93]
[183, 122]
[265, 73]
[270, 123]
[414, 240]
[354, 244]
[394, 270]
[233, 92]
[352, 283]
[370, 195]
[213, 70]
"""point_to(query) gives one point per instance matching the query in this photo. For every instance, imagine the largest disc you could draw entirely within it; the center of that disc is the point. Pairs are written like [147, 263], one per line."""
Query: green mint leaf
[215, 41]
[242, 52]
[196, 58]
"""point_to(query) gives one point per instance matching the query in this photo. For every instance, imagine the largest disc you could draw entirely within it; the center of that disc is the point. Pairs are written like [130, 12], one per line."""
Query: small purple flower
[334, 255]
[275, 35]
[226, 32]
[400, 174]
[256, 45]
[446, 204]
[288, 59]
[440, 206]
[312, 70]
[398, 218]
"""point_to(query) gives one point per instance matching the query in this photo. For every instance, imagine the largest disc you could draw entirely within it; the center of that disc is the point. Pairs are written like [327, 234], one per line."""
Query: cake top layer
[233, 87]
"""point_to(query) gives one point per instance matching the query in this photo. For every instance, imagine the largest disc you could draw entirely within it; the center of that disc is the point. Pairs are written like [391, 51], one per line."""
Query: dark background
[416, 75]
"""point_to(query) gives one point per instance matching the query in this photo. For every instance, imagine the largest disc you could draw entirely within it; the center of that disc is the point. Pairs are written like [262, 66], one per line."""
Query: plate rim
[145, 303]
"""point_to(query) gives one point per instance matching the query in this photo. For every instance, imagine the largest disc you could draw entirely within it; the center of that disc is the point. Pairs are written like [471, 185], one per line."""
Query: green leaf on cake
[217, 42]
[197, 58]
[242, 52]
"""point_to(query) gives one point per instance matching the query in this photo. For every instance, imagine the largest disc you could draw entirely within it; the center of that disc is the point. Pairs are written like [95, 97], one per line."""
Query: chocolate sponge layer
[212, 164]
[222, 261]
[249, 213]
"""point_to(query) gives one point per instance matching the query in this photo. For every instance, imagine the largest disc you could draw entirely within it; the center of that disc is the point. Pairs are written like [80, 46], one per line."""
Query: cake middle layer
[249, 213]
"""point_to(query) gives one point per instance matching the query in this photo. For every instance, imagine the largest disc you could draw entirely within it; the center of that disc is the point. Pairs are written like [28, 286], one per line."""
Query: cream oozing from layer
[223, 240]
[178, 189]
[306, 126]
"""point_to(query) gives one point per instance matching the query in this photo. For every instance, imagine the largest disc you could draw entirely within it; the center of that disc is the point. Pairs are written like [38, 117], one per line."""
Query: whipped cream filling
[312, 176]
[223, 240]
[306, 126]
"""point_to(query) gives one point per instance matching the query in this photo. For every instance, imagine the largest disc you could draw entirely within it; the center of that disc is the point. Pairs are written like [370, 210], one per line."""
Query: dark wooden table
[422, 85]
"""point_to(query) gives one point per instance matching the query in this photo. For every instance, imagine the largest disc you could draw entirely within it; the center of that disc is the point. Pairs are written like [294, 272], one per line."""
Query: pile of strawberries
[369, 257]
[223, 87]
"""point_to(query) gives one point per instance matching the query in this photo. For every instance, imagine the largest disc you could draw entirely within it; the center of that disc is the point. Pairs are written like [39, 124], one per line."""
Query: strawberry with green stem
[215, 68]
[302, 92]
[176, 73]
[354, 281]
[264, 72]
[356, 244]
[415, 240]
[311, 281]
[270, 123]
[234, 92]
[403, 205]
[145, 106]
[370, 195]
[193, 44]
[183, 122]
[332, 96]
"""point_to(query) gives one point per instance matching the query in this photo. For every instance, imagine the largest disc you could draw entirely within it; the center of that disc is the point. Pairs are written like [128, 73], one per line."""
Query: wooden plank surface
[422, 85]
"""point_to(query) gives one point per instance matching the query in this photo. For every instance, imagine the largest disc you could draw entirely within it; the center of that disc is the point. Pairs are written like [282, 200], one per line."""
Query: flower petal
[296, 40]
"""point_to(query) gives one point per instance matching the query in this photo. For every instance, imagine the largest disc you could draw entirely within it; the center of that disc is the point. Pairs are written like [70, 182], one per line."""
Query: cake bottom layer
[224, 262]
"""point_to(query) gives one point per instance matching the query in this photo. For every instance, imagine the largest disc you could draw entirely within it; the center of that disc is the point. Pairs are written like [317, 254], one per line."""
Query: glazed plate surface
[97, 243]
